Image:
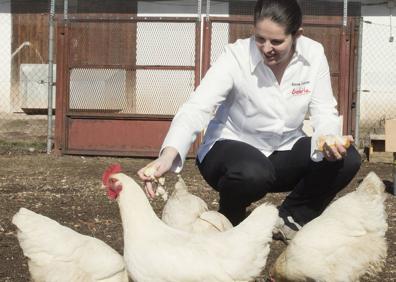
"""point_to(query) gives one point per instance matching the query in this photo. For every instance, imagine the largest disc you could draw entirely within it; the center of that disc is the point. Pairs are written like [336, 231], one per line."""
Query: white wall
[33, 93]
[5, 55]
[378, 68]
[177, 8]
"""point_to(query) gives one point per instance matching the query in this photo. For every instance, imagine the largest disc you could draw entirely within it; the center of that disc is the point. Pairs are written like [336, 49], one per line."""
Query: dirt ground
[68, 190]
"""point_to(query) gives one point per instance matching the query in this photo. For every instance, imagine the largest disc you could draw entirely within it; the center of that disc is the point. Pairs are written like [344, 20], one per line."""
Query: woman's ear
[299, 32]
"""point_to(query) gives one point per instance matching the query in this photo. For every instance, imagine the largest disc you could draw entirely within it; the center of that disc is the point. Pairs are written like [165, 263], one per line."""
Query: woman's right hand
[161, 165]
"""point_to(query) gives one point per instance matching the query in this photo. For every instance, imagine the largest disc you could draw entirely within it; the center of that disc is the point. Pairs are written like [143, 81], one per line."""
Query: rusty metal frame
[65, 118]
[347, 74]
[61, 88]
[353, 78]
[207, 43]
[124, 18]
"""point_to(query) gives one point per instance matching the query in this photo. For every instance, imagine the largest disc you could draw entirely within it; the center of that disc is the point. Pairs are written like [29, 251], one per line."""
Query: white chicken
[154, 251]
[346, 242]
[190, 213]
[58, 254]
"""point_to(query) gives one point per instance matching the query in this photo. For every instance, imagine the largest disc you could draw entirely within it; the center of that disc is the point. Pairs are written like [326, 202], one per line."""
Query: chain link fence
[23, 78]
[378, 78]
[129, 74]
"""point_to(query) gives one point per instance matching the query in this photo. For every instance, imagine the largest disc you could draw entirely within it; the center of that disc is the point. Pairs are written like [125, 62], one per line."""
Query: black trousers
[242, 175]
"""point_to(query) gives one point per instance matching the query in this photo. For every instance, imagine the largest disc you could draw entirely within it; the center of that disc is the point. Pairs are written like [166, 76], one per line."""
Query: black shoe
[286, 227]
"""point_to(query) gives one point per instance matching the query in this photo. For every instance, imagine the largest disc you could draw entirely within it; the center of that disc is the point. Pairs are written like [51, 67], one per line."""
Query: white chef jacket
[249, 104]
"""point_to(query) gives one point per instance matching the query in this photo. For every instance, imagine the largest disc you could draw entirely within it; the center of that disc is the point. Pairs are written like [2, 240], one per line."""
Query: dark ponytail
[284, 12]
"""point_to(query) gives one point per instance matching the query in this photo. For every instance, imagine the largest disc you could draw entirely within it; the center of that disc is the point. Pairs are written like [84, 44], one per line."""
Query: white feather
[188, 212]
[155, 251]
[346, 242]
[57, 253]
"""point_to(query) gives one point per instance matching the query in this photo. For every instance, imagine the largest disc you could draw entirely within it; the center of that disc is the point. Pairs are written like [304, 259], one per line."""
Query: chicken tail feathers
[23, 219]
[180, 184]
[371, 184]
[38, 233]
[261, 221]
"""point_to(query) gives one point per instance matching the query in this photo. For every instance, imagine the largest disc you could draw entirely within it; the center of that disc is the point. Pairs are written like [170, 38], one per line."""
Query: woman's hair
[284, 12]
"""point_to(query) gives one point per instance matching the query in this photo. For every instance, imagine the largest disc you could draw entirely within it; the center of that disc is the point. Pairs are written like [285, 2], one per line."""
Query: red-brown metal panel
[347, 74]
[197, 78]
[126, 18]
[134, 135]
[134, 67]
[344, 83]
[207, 37]
[61, 88]
[197, 68]
[109, 136]
[79, 131]
[354, 30]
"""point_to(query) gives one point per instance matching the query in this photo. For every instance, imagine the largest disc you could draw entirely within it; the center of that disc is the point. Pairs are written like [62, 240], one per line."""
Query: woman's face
[275, 46]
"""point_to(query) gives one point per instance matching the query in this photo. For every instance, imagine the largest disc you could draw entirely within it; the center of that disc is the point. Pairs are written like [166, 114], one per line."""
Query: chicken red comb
[112, 169]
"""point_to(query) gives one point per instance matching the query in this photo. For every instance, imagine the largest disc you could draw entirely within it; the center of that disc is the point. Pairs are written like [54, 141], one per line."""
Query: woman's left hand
[334, 152]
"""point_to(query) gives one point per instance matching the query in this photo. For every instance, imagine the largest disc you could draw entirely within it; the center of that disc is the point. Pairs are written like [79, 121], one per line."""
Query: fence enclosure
[120, 81]
[116, 90]
[339, 44]
[126, 74]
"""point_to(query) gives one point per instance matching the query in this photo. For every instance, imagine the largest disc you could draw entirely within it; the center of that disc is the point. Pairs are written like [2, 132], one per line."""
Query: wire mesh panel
[141, 73]
[23, 75]
[323, 21]
[162, 92]
[165, 44]
[97, 90]
[224, 32]
[219, 38]
[331, 40]
[122, 70]
[378, 77]
[5, 71]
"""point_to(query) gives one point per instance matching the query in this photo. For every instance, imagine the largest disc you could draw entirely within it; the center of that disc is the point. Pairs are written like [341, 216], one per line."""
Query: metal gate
[339, 43]
[121, 80]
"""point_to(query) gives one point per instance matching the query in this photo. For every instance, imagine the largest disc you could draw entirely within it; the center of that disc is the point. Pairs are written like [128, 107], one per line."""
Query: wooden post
[394, 173]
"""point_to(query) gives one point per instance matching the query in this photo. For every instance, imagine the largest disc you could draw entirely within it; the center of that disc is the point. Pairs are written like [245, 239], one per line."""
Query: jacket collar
[255, 55]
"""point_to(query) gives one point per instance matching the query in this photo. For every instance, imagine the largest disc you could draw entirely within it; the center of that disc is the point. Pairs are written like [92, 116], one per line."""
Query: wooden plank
[390, 135]
[30, 42]
[381, 157]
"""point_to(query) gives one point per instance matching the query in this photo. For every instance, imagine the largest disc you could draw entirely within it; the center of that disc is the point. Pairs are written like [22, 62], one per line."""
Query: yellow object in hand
[332, 140]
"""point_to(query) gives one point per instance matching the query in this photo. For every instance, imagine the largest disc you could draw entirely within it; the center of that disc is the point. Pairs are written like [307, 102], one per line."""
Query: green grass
[20, 146]
[18, 123]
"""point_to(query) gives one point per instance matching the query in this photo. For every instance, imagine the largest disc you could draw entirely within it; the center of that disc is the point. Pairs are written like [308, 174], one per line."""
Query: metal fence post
[65, 9]
[345, 14]
[51, 23]
[358, 83]
[207, 9]
[394, 173]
